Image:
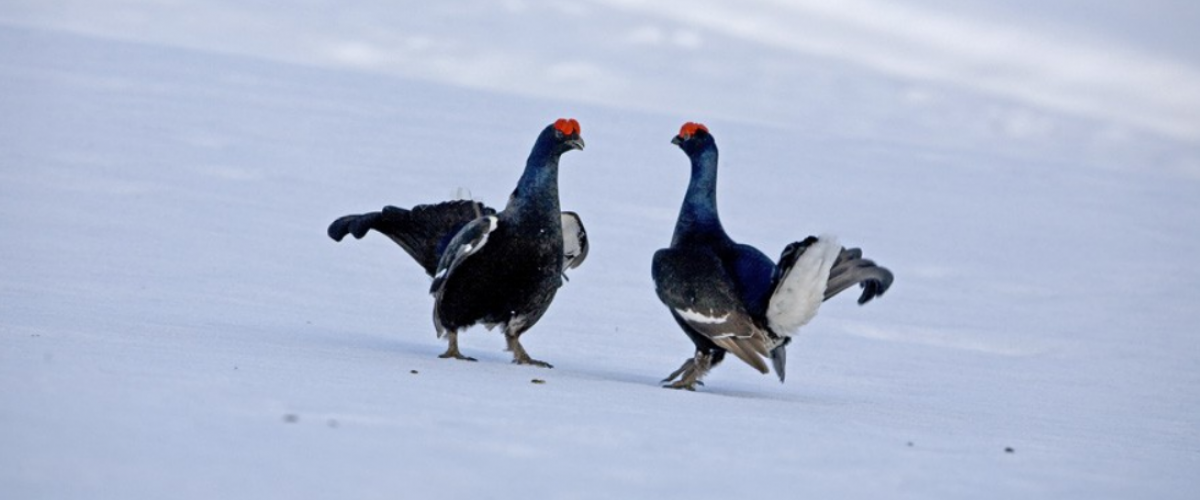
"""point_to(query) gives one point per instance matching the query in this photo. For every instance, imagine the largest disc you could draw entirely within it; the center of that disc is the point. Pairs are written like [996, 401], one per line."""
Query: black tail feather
[358, 225]
[850, 268]
[779, 360]
[422, 231]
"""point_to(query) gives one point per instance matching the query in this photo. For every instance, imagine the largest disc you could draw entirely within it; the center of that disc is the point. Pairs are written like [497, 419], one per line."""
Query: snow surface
[174, 323]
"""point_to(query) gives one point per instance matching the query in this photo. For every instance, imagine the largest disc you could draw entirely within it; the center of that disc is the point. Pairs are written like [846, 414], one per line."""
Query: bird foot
[689, 373]
[530, 361]
[520, 357]
[685, 368]
[683, 384]
[455, 355]
[452, 349]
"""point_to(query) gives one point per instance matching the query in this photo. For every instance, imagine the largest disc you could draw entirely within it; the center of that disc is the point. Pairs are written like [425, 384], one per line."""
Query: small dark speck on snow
[1009, 449]
[414, 372]
[291, 418]
[538, 381]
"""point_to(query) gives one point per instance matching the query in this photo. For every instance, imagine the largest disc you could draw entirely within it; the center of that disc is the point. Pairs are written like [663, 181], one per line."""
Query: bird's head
[693, 137]
[565, 135]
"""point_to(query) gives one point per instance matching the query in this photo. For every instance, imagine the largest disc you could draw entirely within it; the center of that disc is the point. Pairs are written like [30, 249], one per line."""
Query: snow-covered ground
[174, 323]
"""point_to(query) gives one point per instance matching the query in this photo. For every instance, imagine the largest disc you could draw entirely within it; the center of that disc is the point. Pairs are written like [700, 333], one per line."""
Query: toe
[533, 362]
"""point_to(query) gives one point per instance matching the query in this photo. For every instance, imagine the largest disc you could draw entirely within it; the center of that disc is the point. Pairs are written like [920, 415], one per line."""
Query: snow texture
[174, 322]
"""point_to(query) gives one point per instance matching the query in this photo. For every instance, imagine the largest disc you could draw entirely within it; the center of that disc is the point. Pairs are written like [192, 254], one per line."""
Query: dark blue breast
[752, 273]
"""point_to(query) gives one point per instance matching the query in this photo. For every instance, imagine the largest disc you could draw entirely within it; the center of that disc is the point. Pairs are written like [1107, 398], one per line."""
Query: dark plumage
[496, 268]
[729, 297]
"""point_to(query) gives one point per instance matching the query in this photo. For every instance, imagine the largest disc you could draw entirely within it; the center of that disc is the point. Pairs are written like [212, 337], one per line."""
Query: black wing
[466, 242]
[695, 286]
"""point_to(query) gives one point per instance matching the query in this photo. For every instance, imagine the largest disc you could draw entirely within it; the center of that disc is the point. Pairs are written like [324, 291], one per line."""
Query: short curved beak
[576, 143]
[677, 140]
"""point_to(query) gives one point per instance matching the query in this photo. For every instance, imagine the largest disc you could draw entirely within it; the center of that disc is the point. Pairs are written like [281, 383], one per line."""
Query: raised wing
[575, 242]
[467, 242]
[695, 286]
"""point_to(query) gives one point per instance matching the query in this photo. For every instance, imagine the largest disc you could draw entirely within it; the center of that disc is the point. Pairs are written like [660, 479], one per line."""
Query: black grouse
[729, 297]
[496, 268]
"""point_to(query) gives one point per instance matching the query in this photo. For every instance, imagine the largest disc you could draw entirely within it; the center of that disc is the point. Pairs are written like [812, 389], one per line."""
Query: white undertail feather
[802, 289]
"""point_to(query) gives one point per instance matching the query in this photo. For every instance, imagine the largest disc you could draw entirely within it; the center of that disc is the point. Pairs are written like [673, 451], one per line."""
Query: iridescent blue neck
[698, 216]
[536, 196]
